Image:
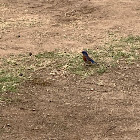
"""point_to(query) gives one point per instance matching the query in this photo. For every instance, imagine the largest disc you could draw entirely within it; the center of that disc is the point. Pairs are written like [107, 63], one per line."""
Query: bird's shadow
[88, 66]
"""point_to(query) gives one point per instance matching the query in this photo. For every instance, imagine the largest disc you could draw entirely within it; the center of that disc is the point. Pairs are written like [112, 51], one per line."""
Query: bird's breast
[84, 58]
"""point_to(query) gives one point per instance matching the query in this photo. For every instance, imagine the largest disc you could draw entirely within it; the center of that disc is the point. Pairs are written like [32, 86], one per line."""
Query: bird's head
[84, 53]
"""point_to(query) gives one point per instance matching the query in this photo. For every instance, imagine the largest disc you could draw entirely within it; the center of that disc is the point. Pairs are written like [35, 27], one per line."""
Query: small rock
[67, 103]
[18, 36]
[22, 108]
[114, 84]
[33, 109]
[8, 125]
[91, 89]
[138, 65]
[52, 73]
[30, 54]
[100, 83]
[21, 74]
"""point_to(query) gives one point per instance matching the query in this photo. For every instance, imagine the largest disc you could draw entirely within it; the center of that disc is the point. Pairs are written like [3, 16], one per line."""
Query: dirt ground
[64, 106]
[33, 25]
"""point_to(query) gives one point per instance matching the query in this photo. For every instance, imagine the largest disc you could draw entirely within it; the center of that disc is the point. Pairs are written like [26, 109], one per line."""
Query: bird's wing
[92, 61]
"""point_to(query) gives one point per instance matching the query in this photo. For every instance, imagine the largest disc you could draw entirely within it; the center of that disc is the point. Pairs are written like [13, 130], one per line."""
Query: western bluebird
[87, 59]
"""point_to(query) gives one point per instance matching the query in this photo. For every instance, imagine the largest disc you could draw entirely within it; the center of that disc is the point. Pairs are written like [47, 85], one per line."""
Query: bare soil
[63, 106]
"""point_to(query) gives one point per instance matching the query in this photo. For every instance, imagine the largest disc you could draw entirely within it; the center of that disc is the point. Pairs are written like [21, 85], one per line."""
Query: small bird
[87, 59]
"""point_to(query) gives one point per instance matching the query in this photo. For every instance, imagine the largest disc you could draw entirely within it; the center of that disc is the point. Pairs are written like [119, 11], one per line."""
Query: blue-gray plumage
[87, 59]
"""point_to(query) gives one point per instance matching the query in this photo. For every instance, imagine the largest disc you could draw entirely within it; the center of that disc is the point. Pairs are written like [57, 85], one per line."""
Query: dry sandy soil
[63, 106]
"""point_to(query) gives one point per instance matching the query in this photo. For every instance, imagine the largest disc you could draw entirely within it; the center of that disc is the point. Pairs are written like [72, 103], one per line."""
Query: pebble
[21, 74]
[100, 83]
[67, 103]
[30, 53]
[8, 125]
[52, 73]
[91, 89]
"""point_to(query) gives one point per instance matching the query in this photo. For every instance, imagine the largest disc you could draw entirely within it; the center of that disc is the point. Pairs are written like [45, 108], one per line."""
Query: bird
[87, 59]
